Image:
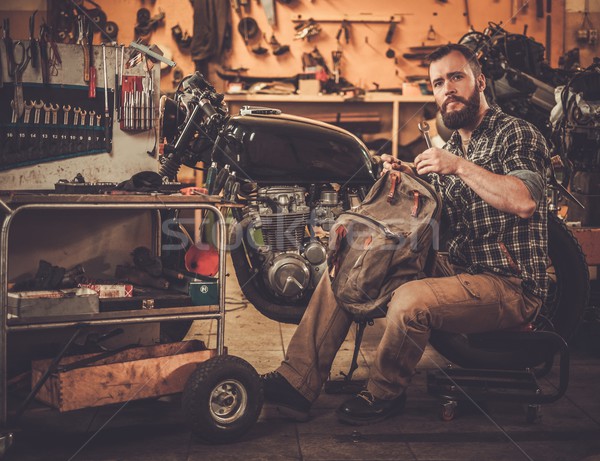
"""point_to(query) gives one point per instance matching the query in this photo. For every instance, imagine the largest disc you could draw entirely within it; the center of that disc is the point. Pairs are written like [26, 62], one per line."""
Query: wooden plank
[130, 375]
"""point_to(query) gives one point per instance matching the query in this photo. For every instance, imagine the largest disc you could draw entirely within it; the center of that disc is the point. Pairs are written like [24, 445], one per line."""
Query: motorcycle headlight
[171, 116]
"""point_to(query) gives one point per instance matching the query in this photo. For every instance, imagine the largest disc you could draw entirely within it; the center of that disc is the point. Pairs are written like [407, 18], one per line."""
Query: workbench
[403, 111]
[17, 203]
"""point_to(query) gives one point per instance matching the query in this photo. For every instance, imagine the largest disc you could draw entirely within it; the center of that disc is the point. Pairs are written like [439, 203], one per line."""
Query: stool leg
[360, 330]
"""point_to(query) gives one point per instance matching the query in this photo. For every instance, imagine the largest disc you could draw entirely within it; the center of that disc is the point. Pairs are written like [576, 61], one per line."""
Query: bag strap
[395, 180]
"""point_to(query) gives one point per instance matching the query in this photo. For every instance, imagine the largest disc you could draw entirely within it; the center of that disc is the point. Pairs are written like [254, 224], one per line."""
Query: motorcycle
[294, 176]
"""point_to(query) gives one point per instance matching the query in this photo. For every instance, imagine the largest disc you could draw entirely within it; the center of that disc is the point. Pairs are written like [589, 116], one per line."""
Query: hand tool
[54, 109]
[269, 7]
[120, 95]
[107, 119]
[424, 129]
[10, 48]
[47, 112]
[33, 43]
[15, 115]
[27, 114]
[92, 86]
[389, 37]
[82, 40]
[19, 68]
[117, 92]
[92, 115]
[211, 173]
[468, 18]
[38, 106]
[83, 113]
[44, 61]
[66, 110]
[76, 111]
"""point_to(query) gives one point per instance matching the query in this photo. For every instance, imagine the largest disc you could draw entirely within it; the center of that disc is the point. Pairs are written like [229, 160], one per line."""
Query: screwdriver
[210, 177]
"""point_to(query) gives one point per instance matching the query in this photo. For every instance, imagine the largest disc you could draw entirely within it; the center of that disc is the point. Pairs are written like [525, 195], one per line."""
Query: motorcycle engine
[293, 261]
[578, 114]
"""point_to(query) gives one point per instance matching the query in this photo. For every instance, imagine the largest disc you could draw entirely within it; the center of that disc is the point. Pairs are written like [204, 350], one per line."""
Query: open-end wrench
[15, 112]
[83, 113]
[47, 112]
[38, 106]
[54, 110]
[66, 109]
[92, 114]
[76, 112]
[424, 129]
[27, 114]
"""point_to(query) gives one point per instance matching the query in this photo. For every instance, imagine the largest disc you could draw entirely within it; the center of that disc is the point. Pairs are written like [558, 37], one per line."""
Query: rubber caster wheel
[222, 399]
[533, 414]
[448, 410]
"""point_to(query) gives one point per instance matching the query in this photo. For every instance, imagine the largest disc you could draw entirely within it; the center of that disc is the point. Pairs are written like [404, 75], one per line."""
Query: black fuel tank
[288, 149]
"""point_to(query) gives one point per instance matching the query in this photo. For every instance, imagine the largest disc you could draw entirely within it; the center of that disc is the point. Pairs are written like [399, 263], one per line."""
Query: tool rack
[18, 203]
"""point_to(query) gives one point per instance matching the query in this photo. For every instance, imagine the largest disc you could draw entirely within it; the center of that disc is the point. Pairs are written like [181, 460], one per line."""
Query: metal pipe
[151, 318]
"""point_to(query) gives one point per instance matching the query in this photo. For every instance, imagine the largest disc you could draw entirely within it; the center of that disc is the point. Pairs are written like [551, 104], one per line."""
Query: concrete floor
[155, 430]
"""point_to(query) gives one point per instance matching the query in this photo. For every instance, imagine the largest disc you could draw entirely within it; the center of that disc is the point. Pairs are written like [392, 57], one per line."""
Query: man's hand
[436, 160]
[392, 163]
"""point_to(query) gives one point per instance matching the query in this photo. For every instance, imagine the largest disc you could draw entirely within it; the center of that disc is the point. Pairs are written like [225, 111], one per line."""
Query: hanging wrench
[424, 129]
[15, 113]
[38, 106]
[66, 109]
[27, 114]
[47, 113]
[76, 112]
[54, 110]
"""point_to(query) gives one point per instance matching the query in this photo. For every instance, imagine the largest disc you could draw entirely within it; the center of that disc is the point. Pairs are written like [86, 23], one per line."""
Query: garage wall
[364, 60]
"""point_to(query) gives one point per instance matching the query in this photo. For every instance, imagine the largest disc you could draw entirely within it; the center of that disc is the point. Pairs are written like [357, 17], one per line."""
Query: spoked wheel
[567, 299]
[222, 399]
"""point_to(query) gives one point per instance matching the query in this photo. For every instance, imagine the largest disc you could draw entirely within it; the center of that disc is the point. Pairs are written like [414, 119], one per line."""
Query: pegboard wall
[63, 131]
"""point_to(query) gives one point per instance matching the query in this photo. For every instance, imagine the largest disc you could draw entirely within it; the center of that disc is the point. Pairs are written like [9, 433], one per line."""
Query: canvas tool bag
[383, 242]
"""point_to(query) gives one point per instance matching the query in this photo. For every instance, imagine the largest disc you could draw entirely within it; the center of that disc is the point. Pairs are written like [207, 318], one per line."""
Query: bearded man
[491, 177]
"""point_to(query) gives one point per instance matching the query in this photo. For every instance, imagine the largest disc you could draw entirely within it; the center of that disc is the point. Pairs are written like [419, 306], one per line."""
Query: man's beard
[463, 117]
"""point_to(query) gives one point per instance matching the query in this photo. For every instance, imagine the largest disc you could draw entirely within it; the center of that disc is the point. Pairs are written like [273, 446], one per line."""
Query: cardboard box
[116, 290]
[135, 373]
[53, 302]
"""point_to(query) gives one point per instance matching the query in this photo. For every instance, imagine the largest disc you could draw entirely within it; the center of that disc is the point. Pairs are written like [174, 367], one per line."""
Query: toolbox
[92, 380]
[53, 302]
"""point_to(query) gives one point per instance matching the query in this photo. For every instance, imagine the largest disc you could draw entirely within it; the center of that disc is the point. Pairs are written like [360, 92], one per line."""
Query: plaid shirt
[482, 238]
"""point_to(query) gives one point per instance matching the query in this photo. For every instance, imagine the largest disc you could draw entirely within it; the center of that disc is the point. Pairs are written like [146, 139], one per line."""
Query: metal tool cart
[222, 397]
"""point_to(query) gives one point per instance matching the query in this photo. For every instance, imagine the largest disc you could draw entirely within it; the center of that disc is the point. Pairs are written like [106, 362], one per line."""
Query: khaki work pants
[461, 303]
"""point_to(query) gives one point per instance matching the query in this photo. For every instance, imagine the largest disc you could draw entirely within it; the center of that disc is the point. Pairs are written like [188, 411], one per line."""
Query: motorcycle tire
[175, 331]
[562, 312]
[222, 399]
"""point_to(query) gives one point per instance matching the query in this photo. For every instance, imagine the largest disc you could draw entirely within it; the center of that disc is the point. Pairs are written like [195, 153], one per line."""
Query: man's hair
[445, 50]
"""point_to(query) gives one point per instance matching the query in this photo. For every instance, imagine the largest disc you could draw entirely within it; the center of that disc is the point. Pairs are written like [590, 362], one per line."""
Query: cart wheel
[448, 412]
[533, 414]
[222, 399]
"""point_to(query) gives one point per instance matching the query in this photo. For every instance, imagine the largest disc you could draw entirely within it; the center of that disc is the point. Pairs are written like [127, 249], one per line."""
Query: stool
[500, 379]
[517, 384]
